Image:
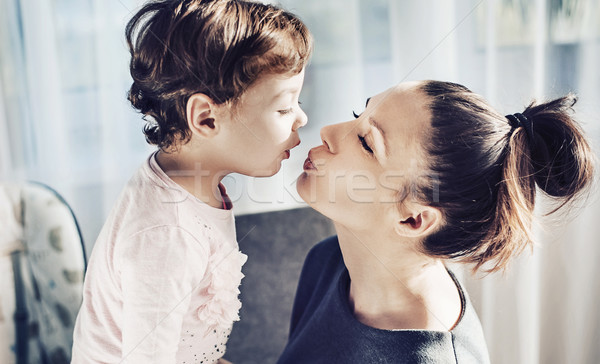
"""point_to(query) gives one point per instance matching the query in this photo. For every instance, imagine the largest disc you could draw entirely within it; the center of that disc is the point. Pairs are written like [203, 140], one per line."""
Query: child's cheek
[284, 132]
[278, 136]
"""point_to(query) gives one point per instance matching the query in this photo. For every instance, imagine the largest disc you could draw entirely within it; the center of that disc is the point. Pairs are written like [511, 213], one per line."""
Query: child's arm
[156, 285]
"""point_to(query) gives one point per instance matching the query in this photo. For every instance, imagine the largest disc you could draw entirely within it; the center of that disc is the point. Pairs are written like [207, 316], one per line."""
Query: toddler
[218, 83]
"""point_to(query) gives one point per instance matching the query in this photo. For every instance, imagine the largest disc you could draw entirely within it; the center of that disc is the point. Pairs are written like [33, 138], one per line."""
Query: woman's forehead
[402, 106]
[403, 114]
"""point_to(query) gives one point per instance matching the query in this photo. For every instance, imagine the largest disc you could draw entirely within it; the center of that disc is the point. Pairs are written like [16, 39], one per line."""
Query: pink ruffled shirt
[162, 281]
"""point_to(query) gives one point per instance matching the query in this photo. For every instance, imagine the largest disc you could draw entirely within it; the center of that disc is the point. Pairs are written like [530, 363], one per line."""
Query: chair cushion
[52, 267]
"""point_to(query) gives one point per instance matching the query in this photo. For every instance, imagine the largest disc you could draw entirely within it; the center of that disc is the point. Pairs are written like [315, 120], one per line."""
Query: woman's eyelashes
[364, 144]
[362, 140]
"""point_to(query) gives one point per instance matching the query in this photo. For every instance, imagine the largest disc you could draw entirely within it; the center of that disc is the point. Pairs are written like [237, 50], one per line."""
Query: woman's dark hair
[215, 47]
[486, 172]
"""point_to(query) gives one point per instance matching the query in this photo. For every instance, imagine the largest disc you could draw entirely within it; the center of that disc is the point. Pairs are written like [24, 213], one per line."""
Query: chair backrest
[44, 258]
[276, 244]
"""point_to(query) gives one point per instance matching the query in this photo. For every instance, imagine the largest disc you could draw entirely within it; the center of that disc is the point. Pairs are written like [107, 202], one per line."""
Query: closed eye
[285, 111]
[365, 145]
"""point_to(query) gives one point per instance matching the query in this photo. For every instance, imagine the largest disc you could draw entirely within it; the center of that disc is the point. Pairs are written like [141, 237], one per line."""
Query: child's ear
[418, 221]
[200, 114]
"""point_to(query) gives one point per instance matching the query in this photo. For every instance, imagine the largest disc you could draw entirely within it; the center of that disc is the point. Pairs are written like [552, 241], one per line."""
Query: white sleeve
[157, 279]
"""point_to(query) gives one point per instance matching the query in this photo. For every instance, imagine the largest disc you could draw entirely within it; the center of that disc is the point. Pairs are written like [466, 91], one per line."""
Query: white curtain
[64, 120]
[64, 77]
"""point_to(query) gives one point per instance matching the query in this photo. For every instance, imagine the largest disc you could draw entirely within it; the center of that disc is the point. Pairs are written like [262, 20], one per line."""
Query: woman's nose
[327, 133]
[333, 136]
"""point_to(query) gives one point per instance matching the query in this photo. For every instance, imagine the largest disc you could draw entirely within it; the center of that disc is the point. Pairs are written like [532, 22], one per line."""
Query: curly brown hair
[215, 47]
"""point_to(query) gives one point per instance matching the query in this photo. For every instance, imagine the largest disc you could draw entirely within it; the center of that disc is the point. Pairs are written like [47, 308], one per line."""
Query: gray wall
[276, 244]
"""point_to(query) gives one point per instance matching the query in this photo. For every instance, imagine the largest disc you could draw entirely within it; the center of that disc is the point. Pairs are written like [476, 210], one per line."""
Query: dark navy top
[324, 330]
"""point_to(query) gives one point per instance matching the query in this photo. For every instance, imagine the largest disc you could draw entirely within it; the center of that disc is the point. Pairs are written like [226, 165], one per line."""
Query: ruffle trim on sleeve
[221, 305]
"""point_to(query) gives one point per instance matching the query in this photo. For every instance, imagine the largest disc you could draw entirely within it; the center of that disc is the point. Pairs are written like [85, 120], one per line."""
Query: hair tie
[519, 120]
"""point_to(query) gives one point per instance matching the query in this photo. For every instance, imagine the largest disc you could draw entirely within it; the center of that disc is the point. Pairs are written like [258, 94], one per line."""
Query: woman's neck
[393, 286]
[200, 179]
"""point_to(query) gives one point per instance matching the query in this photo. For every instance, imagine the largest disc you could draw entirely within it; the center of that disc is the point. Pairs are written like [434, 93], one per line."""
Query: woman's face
[363, 166]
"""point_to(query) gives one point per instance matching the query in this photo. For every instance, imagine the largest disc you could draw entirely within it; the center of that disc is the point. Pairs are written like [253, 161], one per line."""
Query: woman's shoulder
[324, 255]
[326, 248]
[322, 264]
[467, 335]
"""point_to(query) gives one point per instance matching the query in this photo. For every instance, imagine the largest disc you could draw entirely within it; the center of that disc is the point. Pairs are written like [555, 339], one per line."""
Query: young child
[218, 83]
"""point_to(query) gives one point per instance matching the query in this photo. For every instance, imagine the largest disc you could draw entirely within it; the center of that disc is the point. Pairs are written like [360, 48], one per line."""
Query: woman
[426, 174]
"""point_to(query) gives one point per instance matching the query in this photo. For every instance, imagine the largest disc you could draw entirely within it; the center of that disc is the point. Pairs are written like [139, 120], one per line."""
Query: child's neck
[197, 178]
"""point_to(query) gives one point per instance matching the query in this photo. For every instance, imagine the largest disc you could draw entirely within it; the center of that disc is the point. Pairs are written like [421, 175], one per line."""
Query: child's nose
[301, 120]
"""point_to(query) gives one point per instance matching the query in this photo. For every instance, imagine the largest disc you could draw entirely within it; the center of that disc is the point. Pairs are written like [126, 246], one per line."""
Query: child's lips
[287, 151]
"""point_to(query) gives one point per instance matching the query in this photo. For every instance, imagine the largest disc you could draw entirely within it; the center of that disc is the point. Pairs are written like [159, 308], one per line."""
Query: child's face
[263, 127]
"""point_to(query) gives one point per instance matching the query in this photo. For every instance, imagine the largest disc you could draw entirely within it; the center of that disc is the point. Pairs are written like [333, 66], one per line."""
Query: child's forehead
[276, 86]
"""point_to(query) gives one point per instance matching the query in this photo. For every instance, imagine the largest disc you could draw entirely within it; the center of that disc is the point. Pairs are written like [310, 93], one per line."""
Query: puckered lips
[308, 163]
[287, 151]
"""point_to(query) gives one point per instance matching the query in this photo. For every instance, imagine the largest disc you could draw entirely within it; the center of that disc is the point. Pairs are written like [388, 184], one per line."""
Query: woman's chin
[305, 191]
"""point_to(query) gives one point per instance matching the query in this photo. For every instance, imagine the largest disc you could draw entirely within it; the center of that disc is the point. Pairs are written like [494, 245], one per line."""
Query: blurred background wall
[65, 121]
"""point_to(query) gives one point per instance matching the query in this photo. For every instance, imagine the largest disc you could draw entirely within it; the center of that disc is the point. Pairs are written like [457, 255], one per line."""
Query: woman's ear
[201, 116]
[419, 222]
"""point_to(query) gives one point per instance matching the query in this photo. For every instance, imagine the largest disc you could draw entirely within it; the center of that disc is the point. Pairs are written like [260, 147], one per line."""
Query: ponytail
[556, 158]
[563, 161]
[487, 186]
